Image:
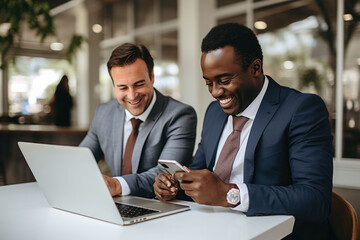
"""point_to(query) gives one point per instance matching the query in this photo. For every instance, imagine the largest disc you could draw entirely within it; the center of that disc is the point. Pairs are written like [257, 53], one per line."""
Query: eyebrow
[122, 85]
[220, 76]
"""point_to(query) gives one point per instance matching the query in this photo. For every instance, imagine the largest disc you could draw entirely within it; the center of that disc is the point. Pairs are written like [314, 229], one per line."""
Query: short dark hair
[127, 54]
[243, 39]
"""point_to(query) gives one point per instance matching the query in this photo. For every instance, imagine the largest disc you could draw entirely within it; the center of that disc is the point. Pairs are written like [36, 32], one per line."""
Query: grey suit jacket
[168, 133]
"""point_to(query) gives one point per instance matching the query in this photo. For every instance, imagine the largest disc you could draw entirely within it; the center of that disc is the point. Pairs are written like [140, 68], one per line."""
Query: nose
[131, 94]
[216, 90]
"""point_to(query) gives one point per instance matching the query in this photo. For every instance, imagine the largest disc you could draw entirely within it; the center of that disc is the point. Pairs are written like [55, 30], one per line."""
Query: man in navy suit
[167, 130]
[283, 164]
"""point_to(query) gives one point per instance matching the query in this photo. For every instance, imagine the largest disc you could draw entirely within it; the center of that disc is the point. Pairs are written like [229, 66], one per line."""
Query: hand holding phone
[171, 166]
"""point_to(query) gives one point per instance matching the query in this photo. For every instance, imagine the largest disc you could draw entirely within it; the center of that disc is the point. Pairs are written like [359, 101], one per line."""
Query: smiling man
[265, 149]
[141, 126]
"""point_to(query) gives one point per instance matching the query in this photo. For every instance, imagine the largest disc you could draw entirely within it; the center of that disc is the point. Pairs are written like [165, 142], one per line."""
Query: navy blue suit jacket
[288, 160]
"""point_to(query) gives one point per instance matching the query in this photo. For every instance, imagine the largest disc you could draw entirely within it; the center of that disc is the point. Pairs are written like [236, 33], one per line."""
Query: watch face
[233, 196]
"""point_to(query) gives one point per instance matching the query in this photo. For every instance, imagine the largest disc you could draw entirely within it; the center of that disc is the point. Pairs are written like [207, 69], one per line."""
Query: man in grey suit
[167, 128]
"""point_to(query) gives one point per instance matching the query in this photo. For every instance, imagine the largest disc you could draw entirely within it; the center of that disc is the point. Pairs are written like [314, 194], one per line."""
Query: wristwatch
[233, 196]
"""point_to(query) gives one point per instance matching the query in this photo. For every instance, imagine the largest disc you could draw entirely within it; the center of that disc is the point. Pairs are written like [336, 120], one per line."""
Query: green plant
[75, 44]
[13, 13]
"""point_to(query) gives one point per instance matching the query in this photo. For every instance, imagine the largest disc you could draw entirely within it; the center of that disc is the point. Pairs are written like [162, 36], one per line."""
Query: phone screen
[171, 166]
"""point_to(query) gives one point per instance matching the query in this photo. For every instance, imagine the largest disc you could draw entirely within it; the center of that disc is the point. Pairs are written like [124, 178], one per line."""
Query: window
[221, 3]
[155, 27]
[351, 84]
[168, 10]
[144, 13]
[31, 85]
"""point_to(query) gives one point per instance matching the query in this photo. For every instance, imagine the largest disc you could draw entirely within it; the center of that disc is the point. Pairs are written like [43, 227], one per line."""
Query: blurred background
[309, 45]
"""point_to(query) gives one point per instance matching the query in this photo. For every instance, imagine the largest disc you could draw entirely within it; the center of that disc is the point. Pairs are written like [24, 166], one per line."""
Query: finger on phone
[165, 178]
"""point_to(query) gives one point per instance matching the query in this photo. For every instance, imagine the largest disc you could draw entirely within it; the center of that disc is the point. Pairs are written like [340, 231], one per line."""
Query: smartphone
[171, 166]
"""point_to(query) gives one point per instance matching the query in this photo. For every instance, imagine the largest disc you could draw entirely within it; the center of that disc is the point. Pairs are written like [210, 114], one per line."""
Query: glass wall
[168, 10]
[299, 44]
[221, 3]
[155, 28]
[237, 19]
[351, 77]
[144, 13]
[31, 85]
[166, 68]
[295, 55]
[298, 39]
[115, 22]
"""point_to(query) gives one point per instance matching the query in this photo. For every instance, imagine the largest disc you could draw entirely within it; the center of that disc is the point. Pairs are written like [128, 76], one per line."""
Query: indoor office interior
[309, 45]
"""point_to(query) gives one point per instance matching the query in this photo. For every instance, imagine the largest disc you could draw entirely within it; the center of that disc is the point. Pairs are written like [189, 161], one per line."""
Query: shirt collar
[145, 114]
[251, 110]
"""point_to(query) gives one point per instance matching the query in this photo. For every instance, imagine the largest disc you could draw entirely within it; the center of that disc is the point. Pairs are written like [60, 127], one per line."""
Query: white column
[339, 79]
[196, 18]
[82, 69]
[94, 9]
[250, 14]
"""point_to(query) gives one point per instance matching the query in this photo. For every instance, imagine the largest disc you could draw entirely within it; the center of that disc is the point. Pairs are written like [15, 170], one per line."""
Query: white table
[25, 214]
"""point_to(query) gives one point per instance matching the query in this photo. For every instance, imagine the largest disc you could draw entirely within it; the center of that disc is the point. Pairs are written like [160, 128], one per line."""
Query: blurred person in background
[62, 103]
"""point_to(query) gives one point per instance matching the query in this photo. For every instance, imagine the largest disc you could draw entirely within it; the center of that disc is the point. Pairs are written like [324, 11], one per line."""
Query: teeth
[134, 102]
[224, 101]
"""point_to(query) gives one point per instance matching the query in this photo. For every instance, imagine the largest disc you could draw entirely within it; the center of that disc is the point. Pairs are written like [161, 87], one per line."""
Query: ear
[255, 67]
[152, 77]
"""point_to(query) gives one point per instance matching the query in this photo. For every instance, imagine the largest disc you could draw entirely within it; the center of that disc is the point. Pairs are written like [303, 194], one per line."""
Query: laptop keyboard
[129, 211]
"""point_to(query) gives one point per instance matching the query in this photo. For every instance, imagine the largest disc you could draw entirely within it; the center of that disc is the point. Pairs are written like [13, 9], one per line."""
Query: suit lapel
[217, 124]
[267, 109]
[145, 129]
[118, 137]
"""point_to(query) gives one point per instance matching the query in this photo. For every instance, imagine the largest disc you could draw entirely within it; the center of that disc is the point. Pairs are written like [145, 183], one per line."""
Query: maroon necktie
[126, 164]
[231, 147]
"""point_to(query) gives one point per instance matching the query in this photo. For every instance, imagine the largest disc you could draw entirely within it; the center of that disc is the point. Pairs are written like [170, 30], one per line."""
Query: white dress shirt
[127, 131]
[237, 173]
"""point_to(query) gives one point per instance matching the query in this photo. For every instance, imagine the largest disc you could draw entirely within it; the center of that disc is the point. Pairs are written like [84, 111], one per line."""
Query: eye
[208, 83]
[140, 84]
[122, 88]
[226, 80]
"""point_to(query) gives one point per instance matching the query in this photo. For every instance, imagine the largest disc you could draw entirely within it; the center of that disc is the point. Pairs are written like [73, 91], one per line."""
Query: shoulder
[299, 106]
[109, 105]
[175, 106]
[108, 108]
[298, 99]
[180, 105]
[292, 97]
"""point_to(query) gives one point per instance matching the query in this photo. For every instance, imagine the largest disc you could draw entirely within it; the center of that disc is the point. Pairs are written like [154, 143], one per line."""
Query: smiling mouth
[225, 101]
[135, 102]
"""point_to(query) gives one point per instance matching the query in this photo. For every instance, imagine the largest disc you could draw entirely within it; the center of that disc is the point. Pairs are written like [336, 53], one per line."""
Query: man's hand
[165, 187]
[204, 187]
[113, 185]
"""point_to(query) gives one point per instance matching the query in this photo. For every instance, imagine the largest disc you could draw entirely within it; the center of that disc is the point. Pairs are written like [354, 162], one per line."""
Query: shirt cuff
[125, 190]
[244, 198]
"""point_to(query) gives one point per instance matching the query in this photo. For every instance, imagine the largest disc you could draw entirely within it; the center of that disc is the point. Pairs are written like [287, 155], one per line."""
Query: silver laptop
[70, 179]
